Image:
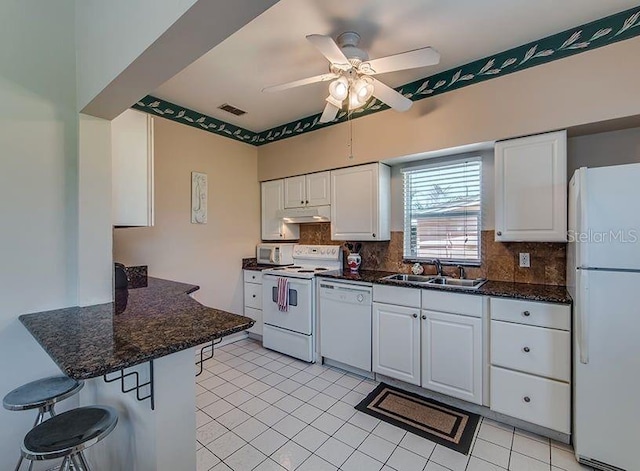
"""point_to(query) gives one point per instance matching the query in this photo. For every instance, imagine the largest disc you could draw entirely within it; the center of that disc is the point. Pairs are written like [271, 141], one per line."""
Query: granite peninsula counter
[137, 355]
[161, 319]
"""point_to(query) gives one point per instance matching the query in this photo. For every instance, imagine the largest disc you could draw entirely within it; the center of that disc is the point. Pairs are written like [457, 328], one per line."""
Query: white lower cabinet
[537, 400]
[531, 362]
[396, 342]
[535, 350]
[253, 299]
[452, 355]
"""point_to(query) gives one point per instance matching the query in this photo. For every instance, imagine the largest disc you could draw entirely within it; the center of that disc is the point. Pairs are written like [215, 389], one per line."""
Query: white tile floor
[259, 410]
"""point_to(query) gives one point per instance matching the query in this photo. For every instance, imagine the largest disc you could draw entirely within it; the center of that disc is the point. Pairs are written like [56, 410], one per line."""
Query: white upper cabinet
[531, 188]
[360, 203]
[132, 169]
[318, 186]
[307, 190]
[273, 228]
[294, 192]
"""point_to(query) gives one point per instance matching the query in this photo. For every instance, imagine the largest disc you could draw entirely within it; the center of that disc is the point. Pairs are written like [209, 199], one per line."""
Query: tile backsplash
[499, 259]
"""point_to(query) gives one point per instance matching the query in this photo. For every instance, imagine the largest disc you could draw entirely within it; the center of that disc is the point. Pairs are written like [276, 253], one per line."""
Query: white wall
[95, 241]
[112, 34]
[38, 189]
[126, 49]
[603, 149]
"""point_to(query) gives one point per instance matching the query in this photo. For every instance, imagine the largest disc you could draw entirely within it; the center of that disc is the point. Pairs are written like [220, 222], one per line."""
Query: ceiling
[272, 49]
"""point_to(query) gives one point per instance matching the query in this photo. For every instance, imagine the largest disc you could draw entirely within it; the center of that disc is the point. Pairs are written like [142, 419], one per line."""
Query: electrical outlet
[525, 260]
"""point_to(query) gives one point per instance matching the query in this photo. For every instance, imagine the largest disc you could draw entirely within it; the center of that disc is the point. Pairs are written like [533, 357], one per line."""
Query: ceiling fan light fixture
[360, 92]
[339, 89]
[363, 87]
[354, 101]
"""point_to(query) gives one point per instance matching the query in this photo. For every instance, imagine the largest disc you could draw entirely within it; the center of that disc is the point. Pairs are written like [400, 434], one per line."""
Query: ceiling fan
[352, 72]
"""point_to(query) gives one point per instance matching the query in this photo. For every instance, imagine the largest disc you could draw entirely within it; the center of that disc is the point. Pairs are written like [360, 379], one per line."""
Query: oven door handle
[293, 296]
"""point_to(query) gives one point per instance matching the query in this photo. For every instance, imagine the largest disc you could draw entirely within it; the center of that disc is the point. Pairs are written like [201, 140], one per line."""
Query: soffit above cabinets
[272, 48]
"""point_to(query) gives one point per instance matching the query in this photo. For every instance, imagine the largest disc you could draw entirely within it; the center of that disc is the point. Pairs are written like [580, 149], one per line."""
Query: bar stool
[41, 394]
[68, 434]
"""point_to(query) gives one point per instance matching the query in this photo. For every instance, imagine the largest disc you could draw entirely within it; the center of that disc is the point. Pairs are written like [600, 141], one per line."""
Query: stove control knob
[360, 298]
[322, 251]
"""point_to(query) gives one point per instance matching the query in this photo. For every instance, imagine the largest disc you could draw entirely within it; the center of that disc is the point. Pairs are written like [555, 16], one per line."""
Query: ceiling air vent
[232, 109]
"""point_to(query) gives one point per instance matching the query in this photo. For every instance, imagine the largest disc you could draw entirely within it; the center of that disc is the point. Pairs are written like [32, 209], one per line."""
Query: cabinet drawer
[555, 316]
[544, 352]
[466, 304]
[252, 276]
[396, 295]
[537, 400]
[253, 295]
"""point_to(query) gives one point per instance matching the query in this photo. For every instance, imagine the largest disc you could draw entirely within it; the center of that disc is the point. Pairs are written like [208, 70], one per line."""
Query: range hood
[305, 215]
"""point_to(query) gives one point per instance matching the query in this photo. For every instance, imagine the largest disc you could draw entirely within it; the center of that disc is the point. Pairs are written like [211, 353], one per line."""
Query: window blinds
[442, 211]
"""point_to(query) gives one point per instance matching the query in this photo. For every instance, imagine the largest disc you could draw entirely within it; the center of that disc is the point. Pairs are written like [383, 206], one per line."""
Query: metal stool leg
[83, 462]
[77, 464]
[48, 409]
[64, 466]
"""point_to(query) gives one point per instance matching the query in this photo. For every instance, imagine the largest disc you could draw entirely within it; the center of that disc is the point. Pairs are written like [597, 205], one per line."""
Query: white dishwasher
[345, 323]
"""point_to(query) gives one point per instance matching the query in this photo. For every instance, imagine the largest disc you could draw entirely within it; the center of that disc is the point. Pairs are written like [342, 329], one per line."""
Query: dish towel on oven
[283, 294]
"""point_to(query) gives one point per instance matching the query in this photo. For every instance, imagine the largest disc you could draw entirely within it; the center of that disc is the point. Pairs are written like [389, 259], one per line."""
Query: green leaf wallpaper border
[608, 30]
[180, 114]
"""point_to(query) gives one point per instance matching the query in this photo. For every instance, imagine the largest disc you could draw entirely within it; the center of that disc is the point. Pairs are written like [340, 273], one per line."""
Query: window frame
[424, 165]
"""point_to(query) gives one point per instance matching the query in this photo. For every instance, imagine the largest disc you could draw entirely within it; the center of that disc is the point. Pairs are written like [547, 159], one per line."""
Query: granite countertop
[252, 264]
[87, 342]
[530, 292]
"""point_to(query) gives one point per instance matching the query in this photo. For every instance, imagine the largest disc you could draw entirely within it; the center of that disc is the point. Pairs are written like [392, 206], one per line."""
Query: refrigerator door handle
[582, 226]
[582, 315]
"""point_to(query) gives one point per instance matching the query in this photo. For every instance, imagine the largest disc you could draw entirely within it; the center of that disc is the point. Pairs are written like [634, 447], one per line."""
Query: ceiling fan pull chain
[350, 119]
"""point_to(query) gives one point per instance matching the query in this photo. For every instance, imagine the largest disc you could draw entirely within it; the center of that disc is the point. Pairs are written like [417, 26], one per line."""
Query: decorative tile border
[602, 32]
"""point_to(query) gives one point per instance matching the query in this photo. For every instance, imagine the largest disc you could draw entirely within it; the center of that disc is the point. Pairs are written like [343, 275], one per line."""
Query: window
[442, 211]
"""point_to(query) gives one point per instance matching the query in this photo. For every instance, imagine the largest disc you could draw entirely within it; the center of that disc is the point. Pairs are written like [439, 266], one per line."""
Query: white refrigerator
[603, 276]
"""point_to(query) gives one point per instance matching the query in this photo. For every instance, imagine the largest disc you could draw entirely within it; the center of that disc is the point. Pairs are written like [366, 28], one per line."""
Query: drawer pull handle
[415, 316]
[253, 296]
[527, 399]
[526, 313]
[526, 349]
[423, 317]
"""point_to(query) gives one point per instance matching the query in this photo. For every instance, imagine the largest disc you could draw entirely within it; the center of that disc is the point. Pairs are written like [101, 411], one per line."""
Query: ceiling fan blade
[298, 83]
[329, 49]
[329, 114]
[389, 96]
[405, 60]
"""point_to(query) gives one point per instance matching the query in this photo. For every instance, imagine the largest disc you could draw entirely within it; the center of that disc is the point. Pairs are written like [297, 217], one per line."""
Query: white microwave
[275, 254]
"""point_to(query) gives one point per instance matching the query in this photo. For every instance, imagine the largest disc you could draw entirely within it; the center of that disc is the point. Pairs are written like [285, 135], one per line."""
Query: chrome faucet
[462, 272]
[438, 264]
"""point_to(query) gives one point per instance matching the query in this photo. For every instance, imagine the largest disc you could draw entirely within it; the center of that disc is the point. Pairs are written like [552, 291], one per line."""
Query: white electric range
[293, 331]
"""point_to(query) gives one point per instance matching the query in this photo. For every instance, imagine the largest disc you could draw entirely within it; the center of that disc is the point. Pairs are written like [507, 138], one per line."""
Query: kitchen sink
[456, 282]
[418, 279]
[443, 281]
